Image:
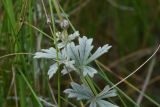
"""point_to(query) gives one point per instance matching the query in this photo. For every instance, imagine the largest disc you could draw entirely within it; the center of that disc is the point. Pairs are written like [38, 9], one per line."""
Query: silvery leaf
[73, 36]
[81, 92]
[66, 70]
[64, 55]
[46, 53]
[85, 48]
[106, 93]
[52, 70]
[103, 103]
[61, 45]
[69, 64]
[63, 58]
[72, 52]
[68, 67]
[82, 56]
[98, 53]
[89, 70]
[93, 104]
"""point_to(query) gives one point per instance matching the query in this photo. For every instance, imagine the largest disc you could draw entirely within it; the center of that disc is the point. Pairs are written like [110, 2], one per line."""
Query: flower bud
[64, 24]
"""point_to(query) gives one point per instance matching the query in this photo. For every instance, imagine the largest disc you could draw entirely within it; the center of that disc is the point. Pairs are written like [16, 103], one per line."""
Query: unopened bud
[64, 24]
[48, 20]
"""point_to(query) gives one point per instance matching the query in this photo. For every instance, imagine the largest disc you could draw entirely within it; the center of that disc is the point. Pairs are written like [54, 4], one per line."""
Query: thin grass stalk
[30, 87]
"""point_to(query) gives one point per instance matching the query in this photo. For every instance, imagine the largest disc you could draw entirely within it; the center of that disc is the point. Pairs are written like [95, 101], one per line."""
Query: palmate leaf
[93, 104]
[82, 55]
[82, 92]
[100, 51]
[106, 93]
[85, 47]
[72, 52]
[89, 70]
[103, 103]
[52, 70]
[62, 59]
[46, 53]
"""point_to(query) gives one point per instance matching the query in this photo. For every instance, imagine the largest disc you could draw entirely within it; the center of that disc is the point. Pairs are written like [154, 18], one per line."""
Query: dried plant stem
[47, 103]
[128, 83]
[131, 57]
[52, 94]
[150, 70]
[79, 7]
[136, 69]
[56, 4]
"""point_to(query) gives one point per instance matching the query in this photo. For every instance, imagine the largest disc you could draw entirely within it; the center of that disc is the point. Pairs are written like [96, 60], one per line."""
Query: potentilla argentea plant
[77, 57]
[74, 57]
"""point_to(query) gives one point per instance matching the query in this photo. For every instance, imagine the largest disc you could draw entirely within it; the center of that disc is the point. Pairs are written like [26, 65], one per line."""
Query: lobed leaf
[46, 53]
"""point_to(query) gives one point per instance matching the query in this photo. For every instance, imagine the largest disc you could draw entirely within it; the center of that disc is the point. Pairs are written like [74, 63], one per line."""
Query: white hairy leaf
[82, 92]
[46, 53]
[82, 55]
[62, 59]
[52, 70]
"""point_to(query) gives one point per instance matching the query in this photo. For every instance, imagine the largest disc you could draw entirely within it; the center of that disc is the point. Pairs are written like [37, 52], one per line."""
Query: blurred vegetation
[132, 27]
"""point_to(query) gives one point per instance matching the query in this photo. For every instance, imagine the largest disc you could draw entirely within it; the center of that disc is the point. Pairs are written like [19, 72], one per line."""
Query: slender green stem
[57, 50]
[59, 76]
[56, 4]
[82, 105]
[30, 87]
[89, 81]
